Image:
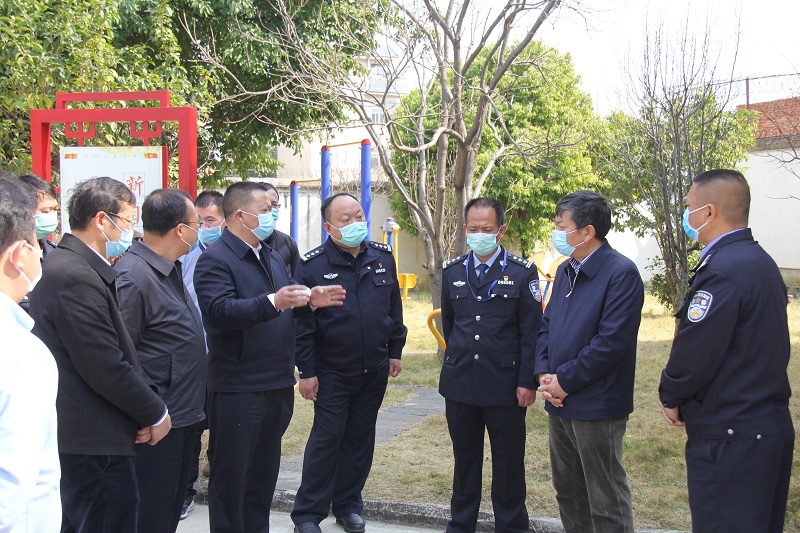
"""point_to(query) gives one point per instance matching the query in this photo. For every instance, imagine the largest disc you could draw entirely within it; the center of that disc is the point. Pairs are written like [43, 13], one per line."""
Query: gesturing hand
[327, 295]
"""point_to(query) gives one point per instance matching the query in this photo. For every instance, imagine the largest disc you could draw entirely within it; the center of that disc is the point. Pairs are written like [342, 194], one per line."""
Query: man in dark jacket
[246, 298]
[281, 243]
[46, 216]
[585, 363]
[491, 311]
[726, 376]
[165, 327]
[103, 398]
[345, 356]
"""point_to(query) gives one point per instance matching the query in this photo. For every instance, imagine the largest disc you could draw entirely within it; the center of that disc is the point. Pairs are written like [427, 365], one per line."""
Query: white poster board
[140, 168]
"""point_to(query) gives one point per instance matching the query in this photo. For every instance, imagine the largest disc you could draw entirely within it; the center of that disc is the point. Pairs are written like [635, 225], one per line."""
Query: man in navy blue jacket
[585, 363]
[246, 297]
[726, 376]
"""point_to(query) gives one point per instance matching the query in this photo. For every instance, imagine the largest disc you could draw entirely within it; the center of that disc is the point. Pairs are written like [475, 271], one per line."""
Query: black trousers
[506, 427]
[741, 484]
[341, 445]
[194, 468]
[246, 430]
[99, 493]
[162, 471]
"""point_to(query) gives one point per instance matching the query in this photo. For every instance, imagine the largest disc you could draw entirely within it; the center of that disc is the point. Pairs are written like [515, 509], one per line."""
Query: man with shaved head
[726, 379]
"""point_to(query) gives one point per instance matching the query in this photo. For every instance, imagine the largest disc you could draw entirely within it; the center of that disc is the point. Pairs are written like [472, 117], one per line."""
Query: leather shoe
[352, 523]
[307, 527]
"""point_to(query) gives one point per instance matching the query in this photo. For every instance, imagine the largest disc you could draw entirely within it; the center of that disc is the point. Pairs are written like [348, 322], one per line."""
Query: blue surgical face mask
[482, 243]
[276, 213]
[560, 242]
[196, 243]
[121, 245]
[690, 231]
[352, 234]
[209, 235]
[46, 224]
[266, 225]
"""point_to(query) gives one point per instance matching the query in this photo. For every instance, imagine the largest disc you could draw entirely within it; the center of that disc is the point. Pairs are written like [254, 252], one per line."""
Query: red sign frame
[145, 123]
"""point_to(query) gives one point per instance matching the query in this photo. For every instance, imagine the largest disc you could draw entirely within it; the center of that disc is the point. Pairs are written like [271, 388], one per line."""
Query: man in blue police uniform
[491, 313]
[345, 356]
[726, 377]
[585, 363]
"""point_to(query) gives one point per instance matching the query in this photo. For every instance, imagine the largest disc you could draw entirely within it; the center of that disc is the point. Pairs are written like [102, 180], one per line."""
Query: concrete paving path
[392, 421]
[197, 522]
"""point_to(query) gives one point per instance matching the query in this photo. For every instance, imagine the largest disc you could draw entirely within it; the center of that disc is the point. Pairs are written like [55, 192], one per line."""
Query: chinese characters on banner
[138, 167]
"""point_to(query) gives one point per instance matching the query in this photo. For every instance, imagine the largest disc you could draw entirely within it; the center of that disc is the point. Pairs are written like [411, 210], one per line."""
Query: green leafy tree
[421, 44]
[681, 128]
[551, 121]
[228, 48]
[55, 46]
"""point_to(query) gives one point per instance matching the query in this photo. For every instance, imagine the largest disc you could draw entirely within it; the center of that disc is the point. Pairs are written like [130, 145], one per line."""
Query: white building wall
[774, 214]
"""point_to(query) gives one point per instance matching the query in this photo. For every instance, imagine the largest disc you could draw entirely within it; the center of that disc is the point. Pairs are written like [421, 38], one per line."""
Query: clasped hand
[292, 296]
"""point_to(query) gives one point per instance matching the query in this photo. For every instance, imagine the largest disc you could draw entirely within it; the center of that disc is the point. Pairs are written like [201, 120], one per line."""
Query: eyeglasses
[199, 224]
[276, 206]
[125, 220]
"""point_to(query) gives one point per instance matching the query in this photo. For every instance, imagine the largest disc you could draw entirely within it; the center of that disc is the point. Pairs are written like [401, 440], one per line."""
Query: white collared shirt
[30, 473]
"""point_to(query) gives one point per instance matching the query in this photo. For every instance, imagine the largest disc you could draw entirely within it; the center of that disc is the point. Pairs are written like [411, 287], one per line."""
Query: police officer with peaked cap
[345, 356]
[726, 377]
[491, 313]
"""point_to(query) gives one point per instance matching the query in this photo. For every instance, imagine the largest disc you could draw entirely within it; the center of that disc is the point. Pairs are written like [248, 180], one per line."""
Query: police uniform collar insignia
[699, 306]
[331, 275]
[459, 284]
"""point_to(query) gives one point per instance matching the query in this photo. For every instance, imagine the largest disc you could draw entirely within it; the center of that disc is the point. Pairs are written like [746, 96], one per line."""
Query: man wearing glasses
[166, 330]
[105, 405]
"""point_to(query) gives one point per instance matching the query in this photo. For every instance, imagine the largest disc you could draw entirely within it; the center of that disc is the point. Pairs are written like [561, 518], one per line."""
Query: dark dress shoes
[308, 527]
[352, 523]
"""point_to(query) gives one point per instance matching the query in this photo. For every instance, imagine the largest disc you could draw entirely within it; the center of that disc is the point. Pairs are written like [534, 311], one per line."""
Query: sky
[601, 41]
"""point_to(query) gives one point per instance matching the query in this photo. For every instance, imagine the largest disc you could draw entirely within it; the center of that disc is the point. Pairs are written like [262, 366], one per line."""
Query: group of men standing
[207, 316]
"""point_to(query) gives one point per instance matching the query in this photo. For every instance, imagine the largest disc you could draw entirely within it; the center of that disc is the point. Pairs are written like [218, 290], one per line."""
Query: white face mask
[32, 283]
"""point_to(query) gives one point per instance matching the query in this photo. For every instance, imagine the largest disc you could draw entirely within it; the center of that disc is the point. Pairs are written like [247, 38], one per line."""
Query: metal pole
[366, 182]
[294, 195]
[325, 187]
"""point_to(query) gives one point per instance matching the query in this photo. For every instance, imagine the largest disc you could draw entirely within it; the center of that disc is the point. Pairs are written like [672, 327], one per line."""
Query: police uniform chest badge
[459, 284]
[699, 306]
[535, 290]
[332, 275]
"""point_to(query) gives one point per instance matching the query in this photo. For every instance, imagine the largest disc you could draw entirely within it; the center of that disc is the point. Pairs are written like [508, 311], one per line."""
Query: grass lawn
[418, 465]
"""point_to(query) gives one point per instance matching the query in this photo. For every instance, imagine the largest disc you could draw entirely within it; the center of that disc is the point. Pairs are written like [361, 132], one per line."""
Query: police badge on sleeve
[535, 291]
[699, 306]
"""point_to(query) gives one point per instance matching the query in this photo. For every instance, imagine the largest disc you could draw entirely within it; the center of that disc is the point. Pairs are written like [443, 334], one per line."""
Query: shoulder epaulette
[454, 261]
[380, 246]
[312, 253]
[520, 260]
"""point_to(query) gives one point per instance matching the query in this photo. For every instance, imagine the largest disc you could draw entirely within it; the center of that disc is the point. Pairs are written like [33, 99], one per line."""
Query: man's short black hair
[325, 208]
[42, 187]
[587, 208]
[482, 202]
[268, 186]
[17, 207]
[209, 199]
[238, 196]
[163, 209]
[735, 200]
[91, 196]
